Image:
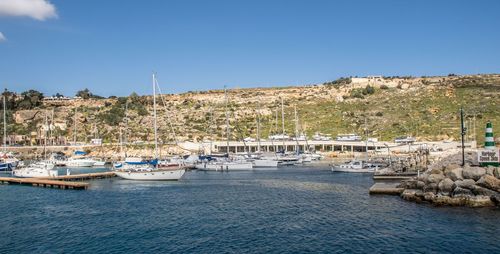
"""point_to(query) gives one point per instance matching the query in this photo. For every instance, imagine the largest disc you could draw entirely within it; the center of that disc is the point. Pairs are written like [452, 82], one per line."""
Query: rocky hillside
[425, 107]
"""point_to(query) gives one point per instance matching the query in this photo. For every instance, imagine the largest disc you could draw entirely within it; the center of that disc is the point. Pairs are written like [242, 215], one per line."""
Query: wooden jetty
[61, 182]
[48, 183]
[81, 177]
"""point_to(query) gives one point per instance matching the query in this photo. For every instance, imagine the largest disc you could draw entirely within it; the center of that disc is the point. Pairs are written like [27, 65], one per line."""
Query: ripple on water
[282, 211]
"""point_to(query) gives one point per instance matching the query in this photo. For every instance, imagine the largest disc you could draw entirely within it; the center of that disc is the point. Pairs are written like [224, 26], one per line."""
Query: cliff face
[425, 107]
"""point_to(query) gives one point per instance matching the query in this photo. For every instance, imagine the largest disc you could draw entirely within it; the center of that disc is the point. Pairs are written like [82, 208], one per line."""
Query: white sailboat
[7, 160]
[227, 163]
[38, 169]
[151, 172]
[259, 161]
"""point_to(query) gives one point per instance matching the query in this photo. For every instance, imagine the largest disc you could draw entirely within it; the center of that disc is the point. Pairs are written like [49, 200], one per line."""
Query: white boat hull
[153, 175]
[80, 163]
[37, 170]
[265, 163]
[353, 170]
[225, 166]
[99, 164]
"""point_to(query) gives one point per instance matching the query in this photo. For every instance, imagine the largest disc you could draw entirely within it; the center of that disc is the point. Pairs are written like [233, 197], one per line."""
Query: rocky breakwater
[446, 182]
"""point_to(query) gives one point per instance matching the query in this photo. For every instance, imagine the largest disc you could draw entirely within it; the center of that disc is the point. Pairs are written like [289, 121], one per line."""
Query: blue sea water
[291, 210]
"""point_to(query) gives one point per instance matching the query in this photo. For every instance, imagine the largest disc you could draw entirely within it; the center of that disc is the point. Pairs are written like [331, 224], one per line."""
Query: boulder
[473, 173]
[408, 184]
[455, 174]
[435, 178]
[420, 185]
[467, 183]
[496, 173]
[445, 186]
[431, 187]
[445, 200]
[412, 195]
[480, 191]
[490, 171]
[490, 182]
[423, 177]
[429, 196]
[496, 199]
[462, 192]
[479, 201]
[436, 171]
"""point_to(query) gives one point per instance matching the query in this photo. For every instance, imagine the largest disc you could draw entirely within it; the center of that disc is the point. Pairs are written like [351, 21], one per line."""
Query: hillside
[425, 107]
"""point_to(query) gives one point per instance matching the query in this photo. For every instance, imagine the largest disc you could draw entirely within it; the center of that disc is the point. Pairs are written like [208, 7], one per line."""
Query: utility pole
[463, 132]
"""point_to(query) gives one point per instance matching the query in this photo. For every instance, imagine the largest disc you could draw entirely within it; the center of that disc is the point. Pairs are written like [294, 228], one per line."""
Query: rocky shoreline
[448, 183]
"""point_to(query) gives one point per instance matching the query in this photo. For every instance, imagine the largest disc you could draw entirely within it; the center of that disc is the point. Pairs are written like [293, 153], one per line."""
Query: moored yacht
[355, 166]
[38, 169]
[135, 169]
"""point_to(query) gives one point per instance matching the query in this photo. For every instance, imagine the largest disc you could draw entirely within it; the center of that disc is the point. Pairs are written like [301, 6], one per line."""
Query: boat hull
[79, 164]
[35, 172]
[225, 166]
[153, 175]
[353, 170]
[265, 163]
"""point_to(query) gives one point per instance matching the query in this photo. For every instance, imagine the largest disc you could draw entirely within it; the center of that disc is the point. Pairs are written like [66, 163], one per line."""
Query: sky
[113, 46]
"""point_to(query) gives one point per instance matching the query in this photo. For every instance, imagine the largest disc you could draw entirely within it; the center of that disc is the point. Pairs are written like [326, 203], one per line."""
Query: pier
[81, 177]
[47, 183]
[60, 182]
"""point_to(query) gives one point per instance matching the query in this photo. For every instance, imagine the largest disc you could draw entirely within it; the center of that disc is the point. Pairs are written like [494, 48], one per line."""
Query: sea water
[289, 210]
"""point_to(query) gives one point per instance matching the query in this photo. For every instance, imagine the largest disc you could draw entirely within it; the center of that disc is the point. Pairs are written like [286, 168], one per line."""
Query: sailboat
[7, 160]
[149, 171]
[40, 168]
[225, 162]
[258, 160]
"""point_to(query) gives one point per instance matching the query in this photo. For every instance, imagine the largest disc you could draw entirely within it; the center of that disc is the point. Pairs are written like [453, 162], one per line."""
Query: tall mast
[258, 126]
[51, 138]
[227, 121]
[45, 136]
[74, 131]
[121, 143]
[4, 126]
[154, 115]
[366, 141]
[296, 129]
[283, 123]
[126, 121]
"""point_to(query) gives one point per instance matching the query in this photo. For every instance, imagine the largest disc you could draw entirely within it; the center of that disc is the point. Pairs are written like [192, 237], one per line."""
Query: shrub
[384, 87]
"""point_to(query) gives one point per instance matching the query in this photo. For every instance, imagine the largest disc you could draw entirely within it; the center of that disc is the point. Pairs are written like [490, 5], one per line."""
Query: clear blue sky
[112, 47]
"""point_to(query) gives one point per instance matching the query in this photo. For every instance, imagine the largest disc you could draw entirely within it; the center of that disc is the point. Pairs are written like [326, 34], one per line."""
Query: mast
[121, 143]
[51, 138]
[366, 141]
[258, 126]
[74, 131]
[283, 124]
[154, 116]
[45, 136]
[4, 126]
[297, 146]
[227, 121]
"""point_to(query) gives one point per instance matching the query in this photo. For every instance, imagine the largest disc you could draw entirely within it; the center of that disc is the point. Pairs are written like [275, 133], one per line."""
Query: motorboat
[321, 137]
[348, 137]
[265, 163]
[8, 162]
[80, 162]
[355, 166]
[38, 169]
[405, 140]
